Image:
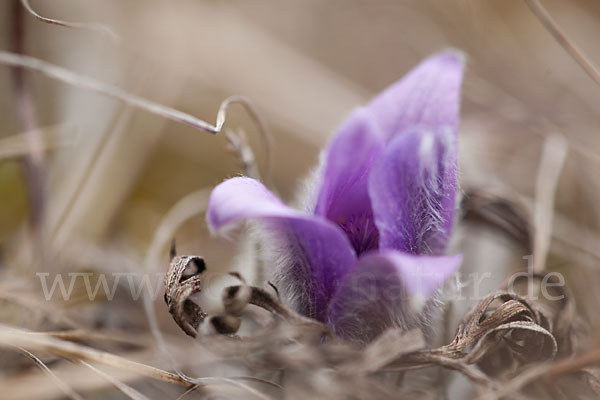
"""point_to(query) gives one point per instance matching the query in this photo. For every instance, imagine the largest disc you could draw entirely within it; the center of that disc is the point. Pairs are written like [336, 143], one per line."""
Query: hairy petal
[313, 253]
[413, 191]
[427, 96]
[388, 289]
[343, 196]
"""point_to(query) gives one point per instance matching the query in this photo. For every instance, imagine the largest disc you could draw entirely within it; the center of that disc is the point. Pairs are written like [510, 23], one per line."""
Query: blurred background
[112, 173]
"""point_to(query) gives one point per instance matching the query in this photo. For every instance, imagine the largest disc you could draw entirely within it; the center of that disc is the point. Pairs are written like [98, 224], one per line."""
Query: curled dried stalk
[180, 287]
[511, 329]
[183, 280]
[503, 327]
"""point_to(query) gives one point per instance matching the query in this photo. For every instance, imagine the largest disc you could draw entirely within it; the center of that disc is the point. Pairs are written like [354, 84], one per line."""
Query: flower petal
[312, 254]
[380, 290]
[343, 196]
[427, 96]
[413, 191]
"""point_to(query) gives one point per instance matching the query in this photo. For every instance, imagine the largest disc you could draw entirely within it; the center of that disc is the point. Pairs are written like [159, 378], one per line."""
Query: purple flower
[380, 223]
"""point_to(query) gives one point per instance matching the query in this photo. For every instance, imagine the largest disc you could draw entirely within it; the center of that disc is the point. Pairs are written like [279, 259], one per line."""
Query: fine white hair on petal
[435, 158]
[279, 256]
[284, 267]
[308, 190]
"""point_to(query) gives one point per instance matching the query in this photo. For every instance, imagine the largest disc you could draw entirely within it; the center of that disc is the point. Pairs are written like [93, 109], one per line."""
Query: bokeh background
[112, 172]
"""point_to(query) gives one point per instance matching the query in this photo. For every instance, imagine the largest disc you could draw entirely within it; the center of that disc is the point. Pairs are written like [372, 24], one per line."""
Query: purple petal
[427, 96]
[344, 197]
[313, 254]
[413, 191]
[380, 290]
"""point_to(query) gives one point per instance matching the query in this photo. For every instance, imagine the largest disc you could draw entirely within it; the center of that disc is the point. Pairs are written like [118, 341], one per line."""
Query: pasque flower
[376, 232]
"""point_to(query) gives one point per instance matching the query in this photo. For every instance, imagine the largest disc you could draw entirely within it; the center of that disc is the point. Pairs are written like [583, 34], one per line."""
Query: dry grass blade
[125, 389]
[61, 384]
[102, 29]
[10, 337]
[550, 24]
[69, 77]
[554, 155]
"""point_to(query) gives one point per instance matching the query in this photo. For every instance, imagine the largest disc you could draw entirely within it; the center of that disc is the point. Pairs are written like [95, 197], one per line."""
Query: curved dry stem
[71, 78]
[263, 130]
[238, 144]
[91, 26]
[551, 26]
